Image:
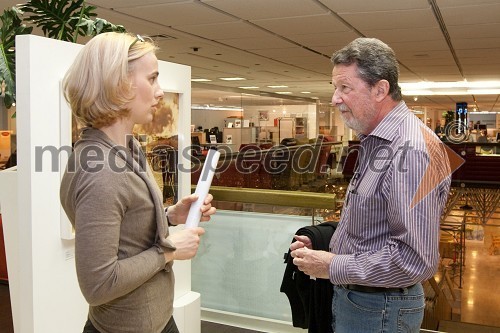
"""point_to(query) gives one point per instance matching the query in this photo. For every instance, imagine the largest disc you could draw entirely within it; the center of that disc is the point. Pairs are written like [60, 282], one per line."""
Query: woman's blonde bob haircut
[97, 85]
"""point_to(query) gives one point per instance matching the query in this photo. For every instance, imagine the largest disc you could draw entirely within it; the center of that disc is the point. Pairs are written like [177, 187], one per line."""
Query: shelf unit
[300, 127]
[238, 136]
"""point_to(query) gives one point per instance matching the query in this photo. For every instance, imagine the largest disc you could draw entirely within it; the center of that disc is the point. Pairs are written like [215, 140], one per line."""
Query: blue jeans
[391, 312]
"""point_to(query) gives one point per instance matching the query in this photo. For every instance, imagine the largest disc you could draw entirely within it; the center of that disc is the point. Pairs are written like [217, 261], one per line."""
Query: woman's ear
[382, 89]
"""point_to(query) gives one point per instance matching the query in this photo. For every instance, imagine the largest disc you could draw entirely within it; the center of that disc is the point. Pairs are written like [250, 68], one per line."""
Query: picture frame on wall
[264, 115]
[229, 138]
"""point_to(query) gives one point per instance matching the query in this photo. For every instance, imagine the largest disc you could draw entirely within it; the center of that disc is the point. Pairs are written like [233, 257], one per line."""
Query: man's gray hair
[376, 61]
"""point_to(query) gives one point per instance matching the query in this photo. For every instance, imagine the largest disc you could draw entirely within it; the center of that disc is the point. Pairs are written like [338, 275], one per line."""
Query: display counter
[279, 167]
[481, 166]
[482, 163]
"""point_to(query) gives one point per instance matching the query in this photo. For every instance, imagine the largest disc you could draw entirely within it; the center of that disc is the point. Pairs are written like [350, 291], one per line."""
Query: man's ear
[381, 90]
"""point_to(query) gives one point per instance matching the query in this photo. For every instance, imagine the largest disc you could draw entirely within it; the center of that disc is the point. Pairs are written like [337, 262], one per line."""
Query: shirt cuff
[339, 269]
[161, 259]
[168, 220]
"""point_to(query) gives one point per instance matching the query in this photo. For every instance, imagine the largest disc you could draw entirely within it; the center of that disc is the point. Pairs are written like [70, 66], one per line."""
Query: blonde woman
[124, 252]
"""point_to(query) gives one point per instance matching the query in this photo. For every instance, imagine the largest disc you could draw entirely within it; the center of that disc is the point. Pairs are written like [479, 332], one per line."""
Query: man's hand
[312, 262]
[301, 241]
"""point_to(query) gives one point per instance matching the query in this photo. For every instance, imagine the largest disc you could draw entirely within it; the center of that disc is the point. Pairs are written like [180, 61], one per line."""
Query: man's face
[354, 98]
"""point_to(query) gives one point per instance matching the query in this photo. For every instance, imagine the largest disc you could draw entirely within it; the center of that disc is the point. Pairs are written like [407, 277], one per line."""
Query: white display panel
[66, 126]
[239, 266]
[47, 269]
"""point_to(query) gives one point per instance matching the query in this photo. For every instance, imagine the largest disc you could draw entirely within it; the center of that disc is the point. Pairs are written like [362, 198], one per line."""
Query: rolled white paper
[207, 174]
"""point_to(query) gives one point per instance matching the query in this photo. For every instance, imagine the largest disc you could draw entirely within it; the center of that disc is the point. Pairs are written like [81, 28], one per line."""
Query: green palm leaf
[97, 26]
[58, 19]
[11, 26]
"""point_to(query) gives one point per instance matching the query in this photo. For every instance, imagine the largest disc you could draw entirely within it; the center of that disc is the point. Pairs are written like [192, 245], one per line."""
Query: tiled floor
[481, 280]
[480, 301]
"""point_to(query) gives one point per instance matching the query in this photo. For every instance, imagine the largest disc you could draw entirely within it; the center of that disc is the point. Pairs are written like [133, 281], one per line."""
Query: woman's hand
[186, 241]
[178, 213]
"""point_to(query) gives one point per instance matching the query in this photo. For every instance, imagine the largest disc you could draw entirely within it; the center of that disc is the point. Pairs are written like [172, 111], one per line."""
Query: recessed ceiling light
[232, 78]
[284, 92]
[277, 86]
[249, 87]
[216, 108]
[451, 88]
[305, 92]
[200, 80]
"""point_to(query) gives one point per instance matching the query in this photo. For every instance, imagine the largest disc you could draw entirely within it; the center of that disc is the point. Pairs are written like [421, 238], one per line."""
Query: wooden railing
[311, 200]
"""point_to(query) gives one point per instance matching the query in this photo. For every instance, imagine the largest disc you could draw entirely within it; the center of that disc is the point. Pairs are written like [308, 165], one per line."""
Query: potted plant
[58, 19]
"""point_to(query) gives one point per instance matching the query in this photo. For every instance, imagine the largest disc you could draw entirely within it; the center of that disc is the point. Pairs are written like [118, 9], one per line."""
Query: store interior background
[289, 43]
[281, 49]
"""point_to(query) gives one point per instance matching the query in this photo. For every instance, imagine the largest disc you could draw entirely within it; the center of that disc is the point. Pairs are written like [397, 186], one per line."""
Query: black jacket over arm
[310, 300]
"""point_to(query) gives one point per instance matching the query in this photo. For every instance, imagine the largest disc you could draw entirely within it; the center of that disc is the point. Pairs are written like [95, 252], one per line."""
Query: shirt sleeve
[100, 205]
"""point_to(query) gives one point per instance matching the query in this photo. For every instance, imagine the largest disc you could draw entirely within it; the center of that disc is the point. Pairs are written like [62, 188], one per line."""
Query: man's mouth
[343, 108]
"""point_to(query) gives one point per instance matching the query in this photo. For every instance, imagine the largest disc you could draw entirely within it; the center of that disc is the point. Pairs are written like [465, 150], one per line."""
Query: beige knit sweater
[115, 206]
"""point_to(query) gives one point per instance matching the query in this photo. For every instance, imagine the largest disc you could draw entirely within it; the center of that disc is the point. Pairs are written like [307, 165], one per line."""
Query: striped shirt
[388, 234]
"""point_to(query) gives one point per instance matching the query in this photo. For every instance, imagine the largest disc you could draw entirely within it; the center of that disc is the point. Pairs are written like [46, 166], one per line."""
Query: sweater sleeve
[101, 201]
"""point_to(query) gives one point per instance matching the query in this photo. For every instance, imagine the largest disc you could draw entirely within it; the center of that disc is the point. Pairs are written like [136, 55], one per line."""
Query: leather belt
[367, 289]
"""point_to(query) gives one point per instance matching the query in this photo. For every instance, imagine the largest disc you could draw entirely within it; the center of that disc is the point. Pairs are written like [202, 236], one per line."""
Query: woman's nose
[159, 93]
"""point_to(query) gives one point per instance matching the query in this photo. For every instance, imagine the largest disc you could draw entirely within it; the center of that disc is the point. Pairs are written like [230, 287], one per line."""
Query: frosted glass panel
[239, 266]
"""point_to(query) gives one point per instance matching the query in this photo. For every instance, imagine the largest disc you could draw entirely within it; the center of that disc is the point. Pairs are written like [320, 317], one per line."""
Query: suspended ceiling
[289, 42]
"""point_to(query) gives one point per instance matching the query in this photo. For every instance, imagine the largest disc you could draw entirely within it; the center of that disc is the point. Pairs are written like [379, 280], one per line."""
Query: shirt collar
[387, 129]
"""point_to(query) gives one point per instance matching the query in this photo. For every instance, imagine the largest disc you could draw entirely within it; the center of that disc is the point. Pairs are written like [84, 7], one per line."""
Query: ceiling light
[451, 88]
[484, 91]
[444, 92]
[215, 108]
[200, 80]
[284, 92]
[445, 85]
[305, 92]
[249, 87]
[232, 78]
[277, 86]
